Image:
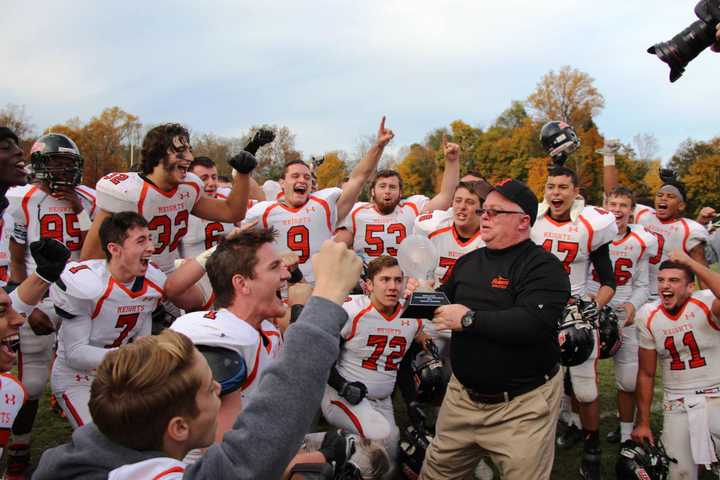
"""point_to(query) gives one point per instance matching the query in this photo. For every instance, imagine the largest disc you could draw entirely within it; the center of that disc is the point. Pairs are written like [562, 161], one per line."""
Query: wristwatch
[467, 320]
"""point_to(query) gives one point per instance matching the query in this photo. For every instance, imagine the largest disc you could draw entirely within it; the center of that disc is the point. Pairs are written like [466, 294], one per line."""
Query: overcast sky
[330, 69]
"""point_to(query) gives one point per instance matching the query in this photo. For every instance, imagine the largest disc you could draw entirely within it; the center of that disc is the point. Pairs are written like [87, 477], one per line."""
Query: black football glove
[243, 162]
[262, 137]
[353, 392]
[416, 415]
[589, 310]
[335, 447]
[50, 257]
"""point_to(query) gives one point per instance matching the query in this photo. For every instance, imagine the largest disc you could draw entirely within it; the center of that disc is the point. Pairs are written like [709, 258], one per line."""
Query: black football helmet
[576, 337]
[56, 161]
[559, 140]
[642, 462]
[413, 445]
[610, 332]
[431, 378]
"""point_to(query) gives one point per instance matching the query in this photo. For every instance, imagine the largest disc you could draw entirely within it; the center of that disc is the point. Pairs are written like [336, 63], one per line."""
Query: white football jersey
[167, 213]
[160, 468]
[374, 345]
[221, 328]
[12, 397]
[572, 241]
[203, 234]
[630, 261]
[438, 227]
[114, 313]
[687, 344]
[376, 234]
[6, 228]
[38, 214]
[300, 230]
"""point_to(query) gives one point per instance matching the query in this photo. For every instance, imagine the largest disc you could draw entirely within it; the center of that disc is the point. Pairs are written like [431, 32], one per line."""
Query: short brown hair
[235, 256]
[679, 266]
[157, 142]
[479, 188]
[621, 191]
[286, 167]
[387, 173]
[114, 229]
[380, 263]
[141, 386]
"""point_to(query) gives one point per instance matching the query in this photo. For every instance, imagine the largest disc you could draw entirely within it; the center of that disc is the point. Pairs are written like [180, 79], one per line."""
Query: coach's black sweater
[518, 294]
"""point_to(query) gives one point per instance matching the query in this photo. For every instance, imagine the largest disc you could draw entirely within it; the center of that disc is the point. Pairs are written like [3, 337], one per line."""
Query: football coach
[504, 396]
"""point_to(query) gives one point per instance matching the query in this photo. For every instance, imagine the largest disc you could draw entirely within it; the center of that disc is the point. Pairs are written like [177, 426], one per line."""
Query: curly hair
[157, 142]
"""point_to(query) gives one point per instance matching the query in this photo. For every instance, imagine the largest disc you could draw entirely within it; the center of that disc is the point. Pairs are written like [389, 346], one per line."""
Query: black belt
[501, 397]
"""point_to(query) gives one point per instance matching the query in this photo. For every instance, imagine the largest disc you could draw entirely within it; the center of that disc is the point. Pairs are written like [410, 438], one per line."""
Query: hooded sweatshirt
[265, 436]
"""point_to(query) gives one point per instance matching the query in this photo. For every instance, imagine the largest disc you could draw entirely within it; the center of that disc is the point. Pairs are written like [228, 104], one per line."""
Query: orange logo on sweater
[500, 282]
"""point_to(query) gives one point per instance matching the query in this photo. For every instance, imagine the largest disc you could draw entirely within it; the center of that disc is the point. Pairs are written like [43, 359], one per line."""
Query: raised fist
[244, 162]
[51, 257]
[262, 137]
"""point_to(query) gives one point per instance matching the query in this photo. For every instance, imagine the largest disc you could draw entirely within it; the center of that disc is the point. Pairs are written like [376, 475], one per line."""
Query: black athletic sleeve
[600, 258]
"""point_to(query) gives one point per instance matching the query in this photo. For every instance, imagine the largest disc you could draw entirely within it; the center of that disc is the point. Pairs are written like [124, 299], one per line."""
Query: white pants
[584, 377]
[626, 360]
[72, 391]
[36, 352]
[676, 437]
[373, 419]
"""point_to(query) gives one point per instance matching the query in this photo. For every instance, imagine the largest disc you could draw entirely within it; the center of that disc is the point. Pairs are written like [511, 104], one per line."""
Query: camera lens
[683, 47]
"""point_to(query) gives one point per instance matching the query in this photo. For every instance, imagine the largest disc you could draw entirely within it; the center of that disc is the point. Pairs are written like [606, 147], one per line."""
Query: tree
[689, 151]
[568, 95]
[218, 149]
[419, 171]
[103, 141]
[513, 117]
[273, 157]
[702, 182]
[332, 172]
[16, 119]
[645, 146]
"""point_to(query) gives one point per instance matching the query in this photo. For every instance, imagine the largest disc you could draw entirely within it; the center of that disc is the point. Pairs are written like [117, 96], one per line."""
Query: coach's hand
[643, 433]
[336, 269]
[353, 392]
[51, 257]
[448, 317]
[244, 162]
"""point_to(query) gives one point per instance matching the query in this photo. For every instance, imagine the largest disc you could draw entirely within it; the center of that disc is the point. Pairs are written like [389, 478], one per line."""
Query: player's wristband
[84, 221]
[608, 160]
[203, 257]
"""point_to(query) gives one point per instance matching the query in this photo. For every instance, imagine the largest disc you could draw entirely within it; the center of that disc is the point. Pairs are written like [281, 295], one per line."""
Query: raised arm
[451, 176]
[707, 277]
[232, 209]
[363, 170]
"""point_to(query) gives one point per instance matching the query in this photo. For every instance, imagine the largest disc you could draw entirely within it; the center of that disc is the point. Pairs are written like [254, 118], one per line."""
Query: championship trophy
[418, 259]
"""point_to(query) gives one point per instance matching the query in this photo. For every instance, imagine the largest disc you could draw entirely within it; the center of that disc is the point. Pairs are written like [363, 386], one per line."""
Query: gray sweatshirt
[265, 436]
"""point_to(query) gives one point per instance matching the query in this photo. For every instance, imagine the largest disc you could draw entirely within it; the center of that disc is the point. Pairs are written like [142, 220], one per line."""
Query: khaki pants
[519, 435]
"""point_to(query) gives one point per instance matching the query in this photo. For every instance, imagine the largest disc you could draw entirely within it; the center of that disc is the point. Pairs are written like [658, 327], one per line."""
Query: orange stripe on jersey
[89, 196]
[459, 242]
[150, 283]
[326, 207]
[248, 381]
[209, 303]
[104, 297]
[168, 472]
[73, 412]
[354, 215]
[25, 201]
[686, 234]
[706, 310]
[590, 232]
[640, 214]
[18, 382]
[442, 230]
[413, 206]
[4, 436]
[195, 187]
[141, 200]
[356, 320]
[557, 223]
[350, 414]
[266, 214]
[393, 315]
[648, 322]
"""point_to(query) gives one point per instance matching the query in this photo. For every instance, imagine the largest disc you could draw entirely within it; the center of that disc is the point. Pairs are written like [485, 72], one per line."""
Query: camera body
[686, 45]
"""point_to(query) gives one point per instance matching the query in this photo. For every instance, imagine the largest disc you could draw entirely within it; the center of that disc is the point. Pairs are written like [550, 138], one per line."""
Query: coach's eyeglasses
[492, 213]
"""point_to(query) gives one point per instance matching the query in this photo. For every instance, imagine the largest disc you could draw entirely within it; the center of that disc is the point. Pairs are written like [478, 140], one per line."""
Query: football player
[204, 234]
[377, 228]
[304, 220]
[579, 236]
[54, 205]
[358, 397]
[165, 193]
[682, 330]
[107, 303]
[632, 252]
[13, 171]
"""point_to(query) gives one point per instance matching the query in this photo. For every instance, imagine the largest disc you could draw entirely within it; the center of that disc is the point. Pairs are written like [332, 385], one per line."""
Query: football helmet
[642, 462]
[431, 378]
[610, 332]
[559, 140]
[413, 445]
[576, 337]
[56, 161]
[227, 366]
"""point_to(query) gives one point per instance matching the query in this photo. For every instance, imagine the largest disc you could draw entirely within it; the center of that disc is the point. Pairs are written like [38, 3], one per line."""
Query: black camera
[668, 175]
[686, 45]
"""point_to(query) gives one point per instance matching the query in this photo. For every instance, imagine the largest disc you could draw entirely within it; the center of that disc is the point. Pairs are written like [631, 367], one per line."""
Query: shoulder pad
[697, 231]
[599, 218]
[647, 237]
[84, 280]
[156, 276]
[257, 211]
[118, 192]
[427, 223]
[329, 194]
[272, 190]
[192, 179]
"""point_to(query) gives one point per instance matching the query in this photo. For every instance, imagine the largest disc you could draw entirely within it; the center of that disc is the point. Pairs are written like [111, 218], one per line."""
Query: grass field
[51, 430]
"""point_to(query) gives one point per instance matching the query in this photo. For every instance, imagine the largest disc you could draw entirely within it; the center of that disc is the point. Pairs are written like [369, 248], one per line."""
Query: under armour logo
[80, 378]
[184, 195]
[405, 323]
[10, 399]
